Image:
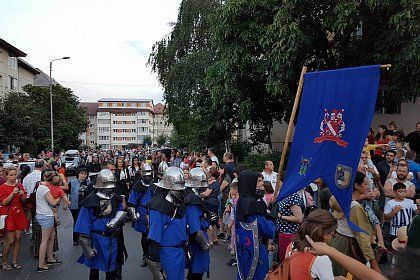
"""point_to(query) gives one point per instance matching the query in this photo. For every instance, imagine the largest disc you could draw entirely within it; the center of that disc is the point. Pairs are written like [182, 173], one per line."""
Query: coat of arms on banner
[304, 164]
[332, 127]
[342, 176]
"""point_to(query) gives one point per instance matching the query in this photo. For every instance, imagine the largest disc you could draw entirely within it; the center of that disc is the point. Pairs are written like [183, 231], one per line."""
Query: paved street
[71, 270]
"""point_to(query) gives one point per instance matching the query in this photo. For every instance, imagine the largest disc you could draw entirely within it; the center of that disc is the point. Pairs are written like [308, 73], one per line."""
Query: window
[134, 130]
[103, 138]
[103, 113]
[114, 122]
[91, 125]
[13, 62]
[13, 83]
[103, 121]
[91, 133]
[143, 129]
[140, 138]
[103, 129]
[92, 142]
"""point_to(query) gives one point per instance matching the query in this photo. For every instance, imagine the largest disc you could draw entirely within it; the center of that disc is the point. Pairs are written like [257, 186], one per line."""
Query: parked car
[73, 161]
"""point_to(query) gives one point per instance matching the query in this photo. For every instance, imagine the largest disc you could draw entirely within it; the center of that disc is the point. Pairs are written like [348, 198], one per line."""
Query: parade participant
[350, 242]
[211, 201]
[140, 196]
[12, 195]
[253, 228]
[167, 227]
[134, 170]
[121, 174]
[94, 167]
[198, 223]
[100, 217]
[161, 169]
[77, 194]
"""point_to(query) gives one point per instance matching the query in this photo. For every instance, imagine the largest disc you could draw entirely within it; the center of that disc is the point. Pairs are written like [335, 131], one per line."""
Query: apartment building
[15, 73]
[123, 121]
[160, 125]
[115, 123]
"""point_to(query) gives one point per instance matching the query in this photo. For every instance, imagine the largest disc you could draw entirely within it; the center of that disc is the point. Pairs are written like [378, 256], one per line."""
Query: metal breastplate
[106, 206]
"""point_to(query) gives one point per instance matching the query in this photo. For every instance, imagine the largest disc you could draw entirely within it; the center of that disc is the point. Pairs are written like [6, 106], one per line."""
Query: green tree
[262, 45]
[180, 60]
[227, 63]
[26, 119]
[147, 141]
[161, 140]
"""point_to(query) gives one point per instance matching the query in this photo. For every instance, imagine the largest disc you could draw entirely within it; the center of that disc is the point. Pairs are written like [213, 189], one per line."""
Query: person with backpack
[29, 184]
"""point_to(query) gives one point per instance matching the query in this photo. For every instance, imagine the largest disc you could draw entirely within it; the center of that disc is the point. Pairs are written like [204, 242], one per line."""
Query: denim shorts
[45, 221]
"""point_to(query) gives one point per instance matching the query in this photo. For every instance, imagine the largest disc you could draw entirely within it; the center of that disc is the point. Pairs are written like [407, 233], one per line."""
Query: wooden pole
[289, 131]
[385, 66]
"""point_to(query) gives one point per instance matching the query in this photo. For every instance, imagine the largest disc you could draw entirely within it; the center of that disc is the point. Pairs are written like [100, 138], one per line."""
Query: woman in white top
[45, 218]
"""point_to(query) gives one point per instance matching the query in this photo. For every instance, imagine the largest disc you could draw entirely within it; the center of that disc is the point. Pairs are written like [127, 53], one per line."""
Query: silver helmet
[147, 170]
[162, 168]
[198, 178]
[173, 179]
[105, 180]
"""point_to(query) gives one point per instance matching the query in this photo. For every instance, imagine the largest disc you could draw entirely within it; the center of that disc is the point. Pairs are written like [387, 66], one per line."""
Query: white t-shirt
[42, 206]
[402, 218]
[409, 176]
[272, 178]
[322, 268]
[214, 158]
[30, 181]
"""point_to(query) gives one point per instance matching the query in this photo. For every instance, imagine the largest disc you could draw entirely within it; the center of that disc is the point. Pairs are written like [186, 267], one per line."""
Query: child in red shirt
[56, 192]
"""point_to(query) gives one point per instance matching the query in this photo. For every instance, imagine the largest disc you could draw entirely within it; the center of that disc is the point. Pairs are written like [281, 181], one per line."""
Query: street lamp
[51, 102]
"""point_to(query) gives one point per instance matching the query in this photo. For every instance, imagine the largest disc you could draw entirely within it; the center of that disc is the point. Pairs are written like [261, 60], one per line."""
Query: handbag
[3, 217]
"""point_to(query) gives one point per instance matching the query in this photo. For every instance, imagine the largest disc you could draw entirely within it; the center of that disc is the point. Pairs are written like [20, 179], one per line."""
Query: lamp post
[51, 102]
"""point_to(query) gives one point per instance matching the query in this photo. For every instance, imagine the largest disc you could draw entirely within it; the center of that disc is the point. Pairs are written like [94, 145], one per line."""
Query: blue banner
[335, 113]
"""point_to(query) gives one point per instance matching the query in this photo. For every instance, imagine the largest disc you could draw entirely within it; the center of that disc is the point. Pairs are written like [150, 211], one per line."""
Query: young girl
[54, 182]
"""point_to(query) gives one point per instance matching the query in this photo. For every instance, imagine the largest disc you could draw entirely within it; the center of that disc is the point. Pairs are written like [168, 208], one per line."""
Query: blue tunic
[142, 200]
[171, 235]
[200, 260]
[85, 224]
[266, 230]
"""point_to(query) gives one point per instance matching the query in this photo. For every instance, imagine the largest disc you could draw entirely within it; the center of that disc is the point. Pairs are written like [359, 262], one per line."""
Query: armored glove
[201, 239]
[86, 244]
[132, 214]
[117, 220]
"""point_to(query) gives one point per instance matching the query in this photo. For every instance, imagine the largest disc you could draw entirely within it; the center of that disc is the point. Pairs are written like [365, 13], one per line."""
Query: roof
[27, 66]
[90, 107]
[124, 100]
[13, 51]
[42, 79]
[159, 108]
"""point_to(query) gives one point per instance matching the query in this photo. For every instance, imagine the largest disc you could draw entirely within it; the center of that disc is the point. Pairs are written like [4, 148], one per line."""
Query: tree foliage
[230, 62]
[26, 119]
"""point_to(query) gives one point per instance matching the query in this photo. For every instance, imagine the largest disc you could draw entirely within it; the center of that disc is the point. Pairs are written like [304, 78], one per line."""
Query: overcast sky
[108, 42]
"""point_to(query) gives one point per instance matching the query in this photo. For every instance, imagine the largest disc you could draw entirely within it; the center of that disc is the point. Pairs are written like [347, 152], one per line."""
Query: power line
[103, 84]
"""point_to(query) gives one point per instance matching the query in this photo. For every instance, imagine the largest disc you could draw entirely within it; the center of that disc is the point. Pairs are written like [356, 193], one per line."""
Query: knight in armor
[168, 227]
[99, 224]
[253, 228]
[198, 221]
[141, 194]
[161, 169]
